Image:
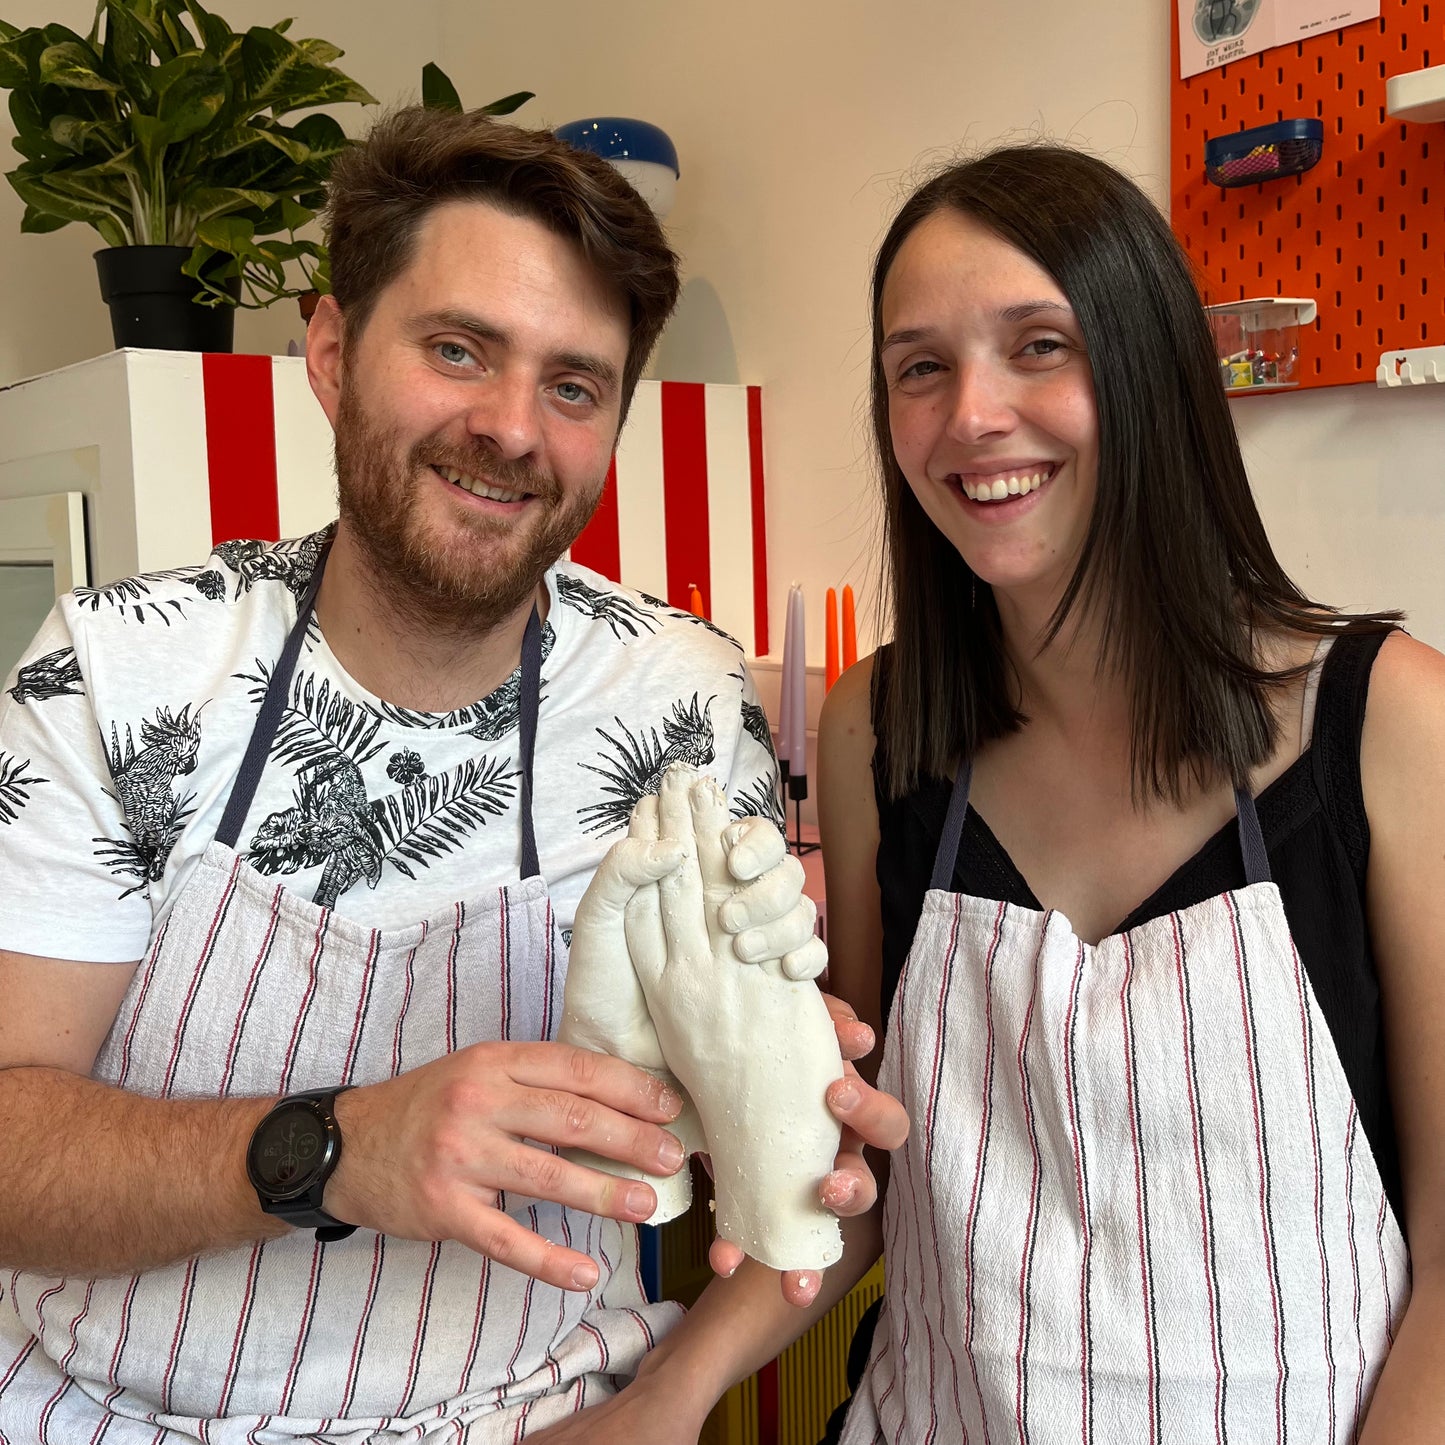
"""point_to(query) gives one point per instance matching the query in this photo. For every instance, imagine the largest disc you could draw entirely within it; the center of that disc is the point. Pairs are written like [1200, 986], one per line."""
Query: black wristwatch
[292, 1154]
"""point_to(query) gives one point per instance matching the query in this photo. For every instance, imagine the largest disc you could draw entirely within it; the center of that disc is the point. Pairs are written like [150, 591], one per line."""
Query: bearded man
[286, 894]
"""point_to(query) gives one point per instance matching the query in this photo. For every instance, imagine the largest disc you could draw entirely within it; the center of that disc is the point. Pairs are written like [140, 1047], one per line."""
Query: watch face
[288, 1150]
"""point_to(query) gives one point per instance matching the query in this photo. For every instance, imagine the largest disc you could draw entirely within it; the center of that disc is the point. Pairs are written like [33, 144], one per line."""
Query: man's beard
[475, 573]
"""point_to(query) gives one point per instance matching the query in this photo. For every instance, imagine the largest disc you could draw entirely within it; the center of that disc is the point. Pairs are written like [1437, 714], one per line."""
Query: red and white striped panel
[683, 505]
[209, 448]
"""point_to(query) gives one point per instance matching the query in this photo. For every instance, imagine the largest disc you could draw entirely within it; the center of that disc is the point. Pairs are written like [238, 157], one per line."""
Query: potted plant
[164, 130]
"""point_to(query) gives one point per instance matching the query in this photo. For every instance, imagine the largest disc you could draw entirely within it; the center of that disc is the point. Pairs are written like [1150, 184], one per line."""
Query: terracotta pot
[308, 301]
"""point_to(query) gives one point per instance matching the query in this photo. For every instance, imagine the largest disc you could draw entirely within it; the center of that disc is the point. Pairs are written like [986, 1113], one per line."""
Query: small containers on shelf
[1257, 341]
[1266, 153]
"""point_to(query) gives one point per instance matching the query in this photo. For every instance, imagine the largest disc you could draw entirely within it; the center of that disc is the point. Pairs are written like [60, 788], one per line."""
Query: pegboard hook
[1411, 368]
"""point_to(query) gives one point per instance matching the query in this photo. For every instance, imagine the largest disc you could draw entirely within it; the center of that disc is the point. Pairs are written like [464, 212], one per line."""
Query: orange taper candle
[695, 603]
[850, 630]
[831, 673]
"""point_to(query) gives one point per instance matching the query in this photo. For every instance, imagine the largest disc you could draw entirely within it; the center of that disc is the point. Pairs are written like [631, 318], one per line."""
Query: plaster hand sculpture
[752, 1044]
[605, 1010]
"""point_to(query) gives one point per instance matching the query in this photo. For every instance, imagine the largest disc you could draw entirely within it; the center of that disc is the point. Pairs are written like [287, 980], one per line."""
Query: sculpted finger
[681, 891]
[783, 935]
[806, 962]
[502, 1239]
[643, 823]
[772, 896]
[753, 846]
[711, 817]
[629, 865]
[875, 1117]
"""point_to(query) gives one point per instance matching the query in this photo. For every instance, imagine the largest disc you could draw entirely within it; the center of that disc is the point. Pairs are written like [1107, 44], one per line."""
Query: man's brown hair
[416, 159]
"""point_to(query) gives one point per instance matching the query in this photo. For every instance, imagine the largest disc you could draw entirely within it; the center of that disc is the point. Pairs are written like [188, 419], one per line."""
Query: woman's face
[991, 404]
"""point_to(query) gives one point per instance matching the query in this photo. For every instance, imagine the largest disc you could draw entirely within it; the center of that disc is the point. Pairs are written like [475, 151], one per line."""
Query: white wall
[1351, 483]
[799, 125]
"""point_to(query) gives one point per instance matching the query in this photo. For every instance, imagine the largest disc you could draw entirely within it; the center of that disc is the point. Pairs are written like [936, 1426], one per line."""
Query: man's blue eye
[454, 352]
[573, 391]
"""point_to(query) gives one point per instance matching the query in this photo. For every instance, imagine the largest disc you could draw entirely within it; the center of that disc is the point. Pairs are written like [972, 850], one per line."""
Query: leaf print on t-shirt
[638, 761]
[331, 821]
[15, 786]
[57, 674]
[760, 800]
[131, 598]
[616, 609]
[144, 780]
[291, 563]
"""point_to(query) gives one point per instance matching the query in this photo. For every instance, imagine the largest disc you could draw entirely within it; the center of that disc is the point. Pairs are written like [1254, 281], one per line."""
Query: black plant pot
[150, 301]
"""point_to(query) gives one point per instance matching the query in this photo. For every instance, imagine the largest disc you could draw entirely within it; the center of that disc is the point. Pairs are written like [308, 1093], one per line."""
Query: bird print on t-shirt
[639, 759]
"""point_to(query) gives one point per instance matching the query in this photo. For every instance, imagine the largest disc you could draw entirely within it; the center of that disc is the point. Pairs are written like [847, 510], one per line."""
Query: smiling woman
[1167, 1050]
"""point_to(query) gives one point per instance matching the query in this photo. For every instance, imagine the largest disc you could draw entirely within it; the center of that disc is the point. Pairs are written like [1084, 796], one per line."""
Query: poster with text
[1214, 32]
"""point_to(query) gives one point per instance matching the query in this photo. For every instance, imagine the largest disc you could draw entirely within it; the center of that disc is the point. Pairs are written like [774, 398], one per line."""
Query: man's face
[477, 411]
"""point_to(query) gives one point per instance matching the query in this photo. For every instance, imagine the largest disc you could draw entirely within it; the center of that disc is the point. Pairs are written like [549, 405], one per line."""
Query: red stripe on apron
[760, 523]
[599, 547]
[241, 447]
[684, 488]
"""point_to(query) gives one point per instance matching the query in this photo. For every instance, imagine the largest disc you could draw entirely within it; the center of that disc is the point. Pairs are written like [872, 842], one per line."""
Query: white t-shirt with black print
[123, 727]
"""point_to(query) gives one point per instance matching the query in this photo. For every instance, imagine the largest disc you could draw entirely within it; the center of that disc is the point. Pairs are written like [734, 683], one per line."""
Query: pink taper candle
[785, 691]
[798, 753]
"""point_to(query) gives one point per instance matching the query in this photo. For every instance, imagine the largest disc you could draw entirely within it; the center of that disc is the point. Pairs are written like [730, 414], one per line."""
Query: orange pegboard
[1364, 231]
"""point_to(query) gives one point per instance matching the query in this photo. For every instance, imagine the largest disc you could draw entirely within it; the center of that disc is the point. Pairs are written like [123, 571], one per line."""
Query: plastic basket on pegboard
[1266, 153]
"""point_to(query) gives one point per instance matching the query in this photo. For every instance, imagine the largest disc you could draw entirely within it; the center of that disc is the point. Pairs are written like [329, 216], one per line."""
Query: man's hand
[428, 1153]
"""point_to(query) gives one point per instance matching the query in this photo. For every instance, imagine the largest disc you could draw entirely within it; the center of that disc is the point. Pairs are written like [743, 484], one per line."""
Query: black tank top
[1318, 841]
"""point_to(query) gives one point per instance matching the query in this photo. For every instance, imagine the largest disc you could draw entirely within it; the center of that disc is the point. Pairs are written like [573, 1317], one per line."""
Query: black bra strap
[268, 719]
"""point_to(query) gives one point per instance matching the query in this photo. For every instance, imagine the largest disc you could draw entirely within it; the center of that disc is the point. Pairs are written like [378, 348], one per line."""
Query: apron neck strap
[946, 857]
[531, 703]
[273, 704]
[945, 860]
[243, 790]
[1251, 839]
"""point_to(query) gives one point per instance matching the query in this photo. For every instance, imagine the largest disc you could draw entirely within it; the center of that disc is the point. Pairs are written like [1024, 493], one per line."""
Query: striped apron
[1137, 1203]
[250, 990]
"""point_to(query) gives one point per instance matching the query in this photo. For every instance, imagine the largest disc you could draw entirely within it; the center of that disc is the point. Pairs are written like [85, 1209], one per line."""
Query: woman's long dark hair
[1176, 567]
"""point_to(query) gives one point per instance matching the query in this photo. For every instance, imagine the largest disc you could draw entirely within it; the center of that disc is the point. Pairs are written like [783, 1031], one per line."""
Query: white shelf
[1417, 95]
[1273, 310]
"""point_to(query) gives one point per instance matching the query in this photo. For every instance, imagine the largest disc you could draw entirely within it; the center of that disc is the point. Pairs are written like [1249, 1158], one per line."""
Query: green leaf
[74, 64]
[192, 88]
[13, 69]
[279, 78]
[437, 91]
[37, 223]
[72, 202]
[8, 31]
[508, 103]
[233, 234]
[211, 201]
[294, 215]
[320, 52]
